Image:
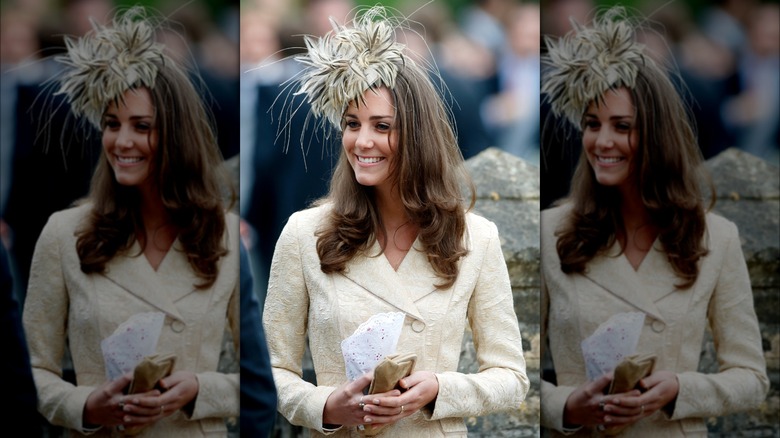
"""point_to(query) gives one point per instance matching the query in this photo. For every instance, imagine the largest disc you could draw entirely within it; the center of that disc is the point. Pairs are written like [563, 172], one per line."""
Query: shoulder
[480, 227]
[721, 232]
[551, 220]
[66, 221]
[303, 225]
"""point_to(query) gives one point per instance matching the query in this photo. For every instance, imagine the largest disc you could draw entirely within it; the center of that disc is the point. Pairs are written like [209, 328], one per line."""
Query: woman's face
[130, 137]
[609, 137]
[370, 138]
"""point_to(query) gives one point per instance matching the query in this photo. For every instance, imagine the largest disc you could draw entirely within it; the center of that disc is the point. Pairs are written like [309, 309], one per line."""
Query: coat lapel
[622, 282]
[373, 273]
[159, 288]
[656, 274]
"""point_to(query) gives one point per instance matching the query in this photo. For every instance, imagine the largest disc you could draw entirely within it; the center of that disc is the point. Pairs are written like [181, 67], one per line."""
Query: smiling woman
[152, 236]
[393, 235]
[634, 236]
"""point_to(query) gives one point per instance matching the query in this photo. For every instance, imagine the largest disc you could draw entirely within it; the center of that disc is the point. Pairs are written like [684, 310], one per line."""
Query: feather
[107, 61]
[346, 62]
[588, 61]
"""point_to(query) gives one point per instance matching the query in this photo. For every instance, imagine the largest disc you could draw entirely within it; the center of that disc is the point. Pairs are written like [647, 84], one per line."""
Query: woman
[633, 235]
[392, 235]
[152, 236]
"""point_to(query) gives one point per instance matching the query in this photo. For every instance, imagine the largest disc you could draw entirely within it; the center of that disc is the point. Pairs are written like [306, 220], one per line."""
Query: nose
[605, 139]
[364, 139]
[124, 138]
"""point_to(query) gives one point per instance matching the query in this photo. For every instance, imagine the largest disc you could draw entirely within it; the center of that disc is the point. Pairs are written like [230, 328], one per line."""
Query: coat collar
[642, 288]
[403, 288]
[162, 288]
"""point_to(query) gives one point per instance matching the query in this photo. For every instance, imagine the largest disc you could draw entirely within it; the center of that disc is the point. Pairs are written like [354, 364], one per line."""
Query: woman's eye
[352, 124]
[623, 127]
[143, 127]
[382, 126]
[111, 124]
[591, 124]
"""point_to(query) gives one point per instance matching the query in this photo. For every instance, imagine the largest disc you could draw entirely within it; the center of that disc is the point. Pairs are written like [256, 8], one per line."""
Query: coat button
[418, 325]
[178, 326]
[658, 326]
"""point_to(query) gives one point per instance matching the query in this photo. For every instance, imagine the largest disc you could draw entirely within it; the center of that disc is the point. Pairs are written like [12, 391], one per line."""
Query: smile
[128, 160]
[609, 160]
[369, 160]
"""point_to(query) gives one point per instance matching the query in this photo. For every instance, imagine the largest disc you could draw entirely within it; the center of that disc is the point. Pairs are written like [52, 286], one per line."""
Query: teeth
[129, 160]
[610, 159]
[369, 160]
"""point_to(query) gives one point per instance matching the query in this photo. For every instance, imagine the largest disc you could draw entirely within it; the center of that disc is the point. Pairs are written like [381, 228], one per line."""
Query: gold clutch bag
[630, 371]
[626, 377]
[146, 376]
[387, 374]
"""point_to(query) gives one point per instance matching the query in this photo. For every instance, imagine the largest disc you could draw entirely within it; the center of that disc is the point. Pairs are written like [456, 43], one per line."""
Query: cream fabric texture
[302, 300]
[64, 305]
[574, 305]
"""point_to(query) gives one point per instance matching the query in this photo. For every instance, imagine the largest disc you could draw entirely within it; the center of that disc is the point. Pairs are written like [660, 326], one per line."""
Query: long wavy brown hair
[668, 172]
[428, 174]
[188, 172]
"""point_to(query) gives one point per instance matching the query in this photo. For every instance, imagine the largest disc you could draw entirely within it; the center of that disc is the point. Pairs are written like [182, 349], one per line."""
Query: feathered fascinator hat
[349, 60]
[588, 61]
[107, 61]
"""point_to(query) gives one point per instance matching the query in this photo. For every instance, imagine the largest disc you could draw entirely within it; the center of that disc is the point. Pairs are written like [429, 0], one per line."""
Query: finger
[614, 410]
[149, 399]
[598, 385]
[362, 382]
[118, 384]
[141, 411]
[386, 411]
[413, 379]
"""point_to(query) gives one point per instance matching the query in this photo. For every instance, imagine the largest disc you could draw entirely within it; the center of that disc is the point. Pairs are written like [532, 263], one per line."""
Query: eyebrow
[114, 116]
[379, 117]
[617, 117]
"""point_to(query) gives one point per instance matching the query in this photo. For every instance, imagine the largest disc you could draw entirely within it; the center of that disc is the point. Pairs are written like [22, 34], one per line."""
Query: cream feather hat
[588, 61]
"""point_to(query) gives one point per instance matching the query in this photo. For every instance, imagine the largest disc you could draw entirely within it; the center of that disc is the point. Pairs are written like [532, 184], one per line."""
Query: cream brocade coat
[65, 305]
[302, 299]
[574, 305]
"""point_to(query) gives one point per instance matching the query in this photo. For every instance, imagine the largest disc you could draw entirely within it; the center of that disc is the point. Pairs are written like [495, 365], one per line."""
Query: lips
[369, 160]
[609, 160]
[128, 160]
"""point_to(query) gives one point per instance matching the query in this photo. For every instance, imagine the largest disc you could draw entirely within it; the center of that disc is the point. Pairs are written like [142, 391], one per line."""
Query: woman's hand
[180, 388]
[587, 405]
[661, 388]
[422, 387]
[344, 405]
[106, 405]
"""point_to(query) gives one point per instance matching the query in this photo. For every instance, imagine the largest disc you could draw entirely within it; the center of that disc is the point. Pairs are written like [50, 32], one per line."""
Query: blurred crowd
[725, 56]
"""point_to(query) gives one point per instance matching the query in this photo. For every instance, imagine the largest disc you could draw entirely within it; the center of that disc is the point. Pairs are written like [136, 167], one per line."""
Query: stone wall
[748, 193]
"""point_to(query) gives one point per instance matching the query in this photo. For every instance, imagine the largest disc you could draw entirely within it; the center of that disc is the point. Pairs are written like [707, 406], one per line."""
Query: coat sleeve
[741, 382]
[45, 322]
[501, 382]
[285, 319]
[553, 398]
[219, 393]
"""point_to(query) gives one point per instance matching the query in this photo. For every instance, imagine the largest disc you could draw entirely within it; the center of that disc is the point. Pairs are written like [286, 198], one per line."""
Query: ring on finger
[162, 409]
[402, 410]
[602, 403]
[642, 410]
[121, 405]
[361, 403]
[601, 428]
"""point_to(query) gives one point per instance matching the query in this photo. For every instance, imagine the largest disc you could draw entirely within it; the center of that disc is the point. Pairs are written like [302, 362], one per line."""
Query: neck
[390, 208]
[153, 212]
